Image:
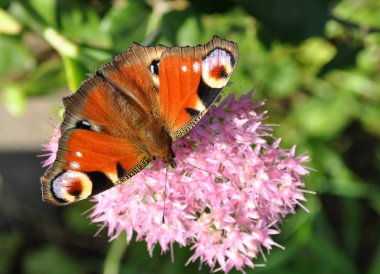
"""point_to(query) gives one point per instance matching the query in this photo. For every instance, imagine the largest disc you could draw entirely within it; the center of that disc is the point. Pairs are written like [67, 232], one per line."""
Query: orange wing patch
[190, 81]
[92, 151]
[179, 80]
[91, 163]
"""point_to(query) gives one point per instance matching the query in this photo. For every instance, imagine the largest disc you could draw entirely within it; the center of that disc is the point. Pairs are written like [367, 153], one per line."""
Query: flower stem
[115, 253]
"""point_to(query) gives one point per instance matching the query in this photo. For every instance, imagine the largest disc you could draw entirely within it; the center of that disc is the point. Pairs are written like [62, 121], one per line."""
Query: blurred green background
[316, 62]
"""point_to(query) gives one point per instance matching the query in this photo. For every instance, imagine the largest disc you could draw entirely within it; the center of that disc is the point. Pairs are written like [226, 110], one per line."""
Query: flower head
[229, 191]
[50, 150]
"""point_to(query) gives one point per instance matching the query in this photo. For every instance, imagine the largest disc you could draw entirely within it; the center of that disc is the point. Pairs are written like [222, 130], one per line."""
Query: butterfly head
[170, 160]
[158, 143]
[166, 155]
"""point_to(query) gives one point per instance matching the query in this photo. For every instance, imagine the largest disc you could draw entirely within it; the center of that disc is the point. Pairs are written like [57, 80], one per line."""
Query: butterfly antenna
[166, 182]
[221, 177]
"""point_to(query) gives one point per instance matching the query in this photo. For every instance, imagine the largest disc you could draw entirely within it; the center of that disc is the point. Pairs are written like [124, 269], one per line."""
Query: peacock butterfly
[131, 111]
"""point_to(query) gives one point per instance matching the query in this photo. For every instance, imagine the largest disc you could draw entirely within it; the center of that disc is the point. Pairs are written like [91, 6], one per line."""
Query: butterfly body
[130, 112]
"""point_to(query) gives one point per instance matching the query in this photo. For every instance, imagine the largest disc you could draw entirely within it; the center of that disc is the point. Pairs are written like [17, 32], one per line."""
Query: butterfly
[130, 112]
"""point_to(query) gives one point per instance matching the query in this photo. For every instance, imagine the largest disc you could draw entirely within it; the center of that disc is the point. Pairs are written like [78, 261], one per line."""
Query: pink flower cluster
[228, 193]
[50, 150]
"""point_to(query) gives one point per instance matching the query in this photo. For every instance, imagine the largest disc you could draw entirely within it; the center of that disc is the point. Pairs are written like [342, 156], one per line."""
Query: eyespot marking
[83, 124]
[218, 72]
[71, 186]
[76, 188]
[154, 67]
[217, 67]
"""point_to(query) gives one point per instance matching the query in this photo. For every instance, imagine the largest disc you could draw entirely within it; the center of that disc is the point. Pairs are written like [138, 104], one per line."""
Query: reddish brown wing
[191, 78]
[100, 147]
[105, 122]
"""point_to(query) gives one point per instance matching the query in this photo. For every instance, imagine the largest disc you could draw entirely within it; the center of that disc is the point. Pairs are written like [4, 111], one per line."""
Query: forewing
[191, 78]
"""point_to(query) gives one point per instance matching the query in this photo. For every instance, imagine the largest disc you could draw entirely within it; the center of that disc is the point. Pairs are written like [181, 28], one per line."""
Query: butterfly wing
[191, 78]
[88, 163]
[99, 147]
[105, 120]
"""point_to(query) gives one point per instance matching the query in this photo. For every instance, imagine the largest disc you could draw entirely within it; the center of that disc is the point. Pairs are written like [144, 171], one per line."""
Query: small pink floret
[50, 150]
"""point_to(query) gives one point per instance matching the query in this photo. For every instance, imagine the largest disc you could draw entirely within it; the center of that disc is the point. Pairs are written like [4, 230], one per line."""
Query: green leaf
[76, 218]
[14, 56]
[14, 99]
[9, 248]
[46, 9]
[337, 178]
[26, 13]
[374, 267]
[355, 82]
[81, 24]
[345, 57]
[173, 21]
[332, 256]
[75, 72]
[316, 52]
[364, 12]
[352, 212]
[124, 30]
[46, 78]
[8, 25]
[370, 117]
[290, 21]
[189, 32]
[368, 59]
[50, 259]
[283, 77]
[324, 117]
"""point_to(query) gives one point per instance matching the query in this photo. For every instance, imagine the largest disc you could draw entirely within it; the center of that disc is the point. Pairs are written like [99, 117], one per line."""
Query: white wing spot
[74, 165]
[78, 154]
[196, 67]
[184, 68]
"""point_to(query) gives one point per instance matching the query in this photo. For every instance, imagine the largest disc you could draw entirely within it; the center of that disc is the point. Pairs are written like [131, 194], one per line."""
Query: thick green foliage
[316, 62]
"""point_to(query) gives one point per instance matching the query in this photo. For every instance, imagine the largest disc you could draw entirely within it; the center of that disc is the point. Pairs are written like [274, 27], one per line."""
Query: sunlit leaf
[14, 99]
[8, 25]
[81, 24]
[363, 12]
[126, 24]
[324, 117]
[189, 32]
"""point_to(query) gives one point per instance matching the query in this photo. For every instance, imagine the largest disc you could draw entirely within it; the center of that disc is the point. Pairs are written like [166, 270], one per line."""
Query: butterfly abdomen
[157, 141]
